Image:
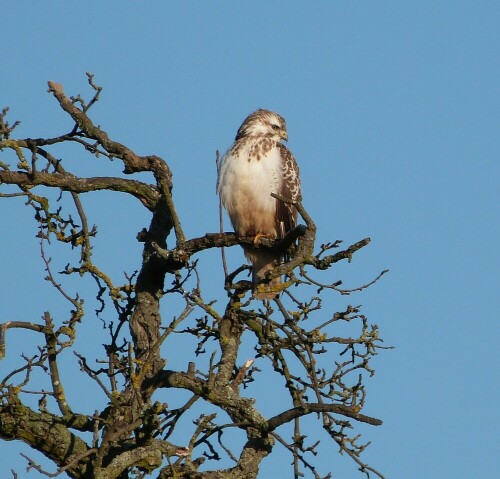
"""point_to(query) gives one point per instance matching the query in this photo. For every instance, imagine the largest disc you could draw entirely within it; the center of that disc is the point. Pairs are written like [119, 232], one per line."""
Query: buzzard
[256, 165]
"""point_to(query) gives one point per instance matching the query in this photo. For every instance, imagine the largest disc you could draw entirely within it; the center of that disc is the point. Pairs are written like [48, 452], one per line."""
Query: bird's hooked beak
[284, 135]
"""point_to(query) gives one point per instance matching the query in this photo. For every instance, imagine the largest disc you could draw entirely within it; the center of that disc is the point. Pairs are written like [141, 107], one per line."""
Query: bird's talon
[258, 236]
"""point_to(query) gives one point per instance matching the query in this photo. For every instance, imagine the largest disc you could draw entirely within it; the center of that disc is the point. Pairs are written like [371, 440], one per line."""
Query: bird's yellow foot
[258, 236]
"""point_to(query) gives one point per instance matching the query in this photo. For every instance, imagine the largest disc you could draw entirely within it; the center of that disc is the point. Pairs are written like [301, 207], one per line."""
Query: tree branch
[133, 162]
[309, 408]
[146, 194]
[44, 432]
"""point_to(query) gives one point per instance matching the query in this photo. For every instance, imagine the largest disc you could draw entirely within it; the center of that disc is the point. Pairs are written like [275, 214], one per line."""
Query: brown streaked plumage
[256, 165]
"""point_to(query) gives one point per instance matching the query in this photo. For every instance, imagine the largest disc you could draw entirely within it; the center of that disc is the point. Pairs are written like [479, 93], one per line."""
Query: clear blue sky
[393, 112]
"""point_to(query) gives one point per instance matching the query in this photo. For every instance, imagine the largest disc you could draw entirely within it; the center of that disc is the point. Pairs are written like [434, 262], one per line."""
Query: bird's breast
[247, 179]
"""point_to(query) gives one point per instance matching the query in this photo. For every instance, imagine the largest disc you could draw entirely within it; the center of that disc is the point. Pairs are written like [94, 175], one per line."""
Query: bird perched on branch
[256, 165]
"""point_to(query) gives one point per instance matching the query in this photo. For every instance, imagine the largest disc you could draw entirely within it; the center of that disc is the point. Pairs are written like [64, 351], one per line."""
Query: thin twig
[221, 216]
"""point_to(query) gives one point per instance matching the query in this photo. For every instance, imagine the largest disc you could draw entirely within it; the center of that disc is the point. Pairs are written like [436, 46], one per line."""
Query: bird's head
[263, 123]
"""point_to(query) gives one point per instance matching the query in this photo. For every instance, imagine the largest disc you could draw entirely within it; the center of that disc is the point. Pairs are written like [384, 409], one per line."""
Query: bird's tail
[262, 263]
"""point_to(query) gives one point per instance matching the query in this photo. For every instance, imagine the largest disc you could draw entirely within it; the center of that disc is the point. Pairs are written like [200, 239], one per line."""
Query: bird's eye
[275, 127]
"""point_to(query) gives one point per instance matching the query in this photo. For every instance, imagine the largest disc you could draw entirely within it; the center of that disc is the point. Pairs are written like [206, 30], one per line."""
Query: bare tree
[134, 434]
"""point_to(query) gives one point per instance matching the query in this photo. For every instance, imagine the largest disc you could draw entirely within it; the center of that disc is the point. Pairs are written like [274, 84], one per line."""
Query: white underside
[245, 189]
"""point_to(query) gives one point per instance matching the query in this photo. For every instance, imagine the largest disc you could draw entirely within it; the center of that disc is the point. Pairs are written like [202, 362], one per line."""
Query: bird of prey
[256, 165]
